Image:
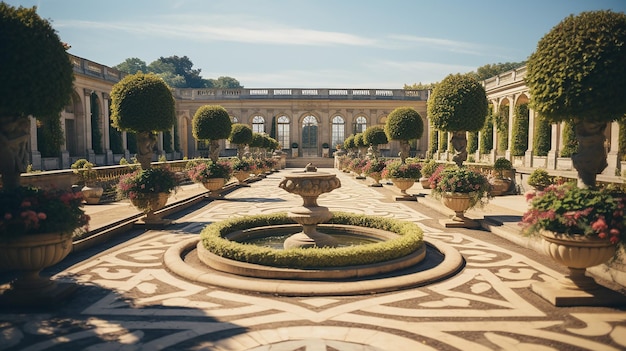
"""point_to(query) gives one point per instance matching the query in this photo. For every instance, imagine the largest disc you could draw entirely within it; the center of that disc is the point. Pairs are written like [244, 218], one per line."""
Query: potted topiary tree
[211, 122]
[428, 168]
[240, 135]
[374, 136]
[577, 74]
[92, 192]
[37, 78]
[404, 124]
[458, 104]
[360, 144]
[499, 183]
[143, 104]
[540, 179]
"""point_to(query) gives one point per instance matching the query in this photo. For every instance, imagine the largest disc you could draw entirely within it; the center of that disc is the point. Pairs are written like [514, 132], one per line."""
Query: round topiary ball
[240, 134]
[458, 103]
[404, 123]
[211, 122]
[375, 135]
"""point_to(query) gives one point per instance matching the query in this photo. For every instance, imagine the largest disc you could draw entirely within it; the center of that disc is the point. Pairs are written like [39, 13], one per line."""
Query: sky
[350, 44]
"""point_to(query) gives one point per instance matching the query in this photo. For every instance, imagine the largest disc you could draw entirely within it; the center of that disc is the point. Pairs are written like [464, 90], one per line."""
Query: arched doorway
[309, 136]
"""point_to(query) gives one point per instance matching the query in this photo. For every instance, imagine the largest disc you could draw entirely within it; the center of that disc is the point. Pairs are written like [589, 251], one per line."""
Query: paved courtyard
[128, 300]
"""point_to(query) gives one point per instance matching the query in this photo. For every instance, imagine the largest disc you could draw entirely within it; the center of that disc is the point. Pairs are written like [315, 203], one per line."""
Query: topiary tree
[578, 73]
[240, 135]
[257, 142]
[570, 144]
[349, 144]
[143, 104]
[486, 136]
[433, 142]
[360, 143]
[374, 136]
[520, 130]
[211, 122]
[458, 104]
[37, 78]
[404, 124]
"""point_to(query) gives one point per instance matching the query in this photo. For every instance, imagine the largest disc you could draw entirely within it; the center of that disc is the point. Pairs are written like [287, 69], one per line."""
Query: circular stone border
[173, 259]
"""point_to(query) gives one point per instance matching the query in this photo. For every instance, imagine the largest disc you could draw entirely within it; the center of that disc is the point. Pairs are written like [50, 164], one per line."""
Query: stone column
[613, 157]
[106, 130]
[91, 156]
[35, 155]
[528, 156]
[555, 142]
[509, 134]
[494, 127]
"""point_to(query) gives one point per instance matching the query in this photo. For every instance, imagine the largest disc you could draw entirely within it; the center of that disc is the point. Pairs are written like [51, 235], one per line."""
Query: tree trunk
[14, 138]
[214, 150]
[405, 148]
[241, 149]
[590, 159]
[145, 146]
[459, 143]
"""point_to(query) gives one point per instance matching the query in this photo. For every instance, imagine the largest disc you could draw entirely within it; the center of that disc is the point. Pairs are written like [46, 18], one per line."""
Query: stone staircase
[319, 162]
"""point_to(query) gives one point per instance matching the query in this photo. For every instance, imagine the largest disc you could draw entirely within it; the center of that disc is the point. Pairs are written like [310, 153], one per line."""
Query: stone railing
[303, 94]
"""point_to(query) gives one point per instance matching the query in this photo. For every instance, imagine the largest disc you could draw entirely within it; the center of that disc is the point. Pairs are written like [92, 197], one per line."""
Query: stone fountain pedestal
[310, 185]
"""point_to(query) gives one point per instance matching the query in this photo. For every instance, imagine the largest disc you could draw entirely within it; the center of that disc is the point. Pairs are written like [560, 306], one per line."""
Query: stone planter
[92, 194]
[213, 184]
[376, 177]
[30, 254]
[241, 176]
[149, 204]
[425, 183]
[500, 186]
[577, 253]
[459, 203]
[404, 184]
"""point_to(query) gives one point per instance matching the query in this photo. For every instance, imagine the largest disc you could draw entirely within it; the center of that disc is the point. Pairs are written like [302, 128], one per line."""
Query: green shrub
[486, 136]
[458, 103]
[502, 127]
[520, 130]
[433, 142]
[404, 123]
[472, 142]
[542, 142]
[211, 122]
[410, 239]
[540, 179]
[375, 135]
[570, 144]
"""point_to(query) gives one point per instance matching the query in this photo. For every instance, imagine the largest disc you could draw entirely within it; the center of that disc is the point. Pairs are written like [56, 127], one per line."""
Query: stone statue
[14, 138]
[145, 146]
[459, 143]
[590, 159]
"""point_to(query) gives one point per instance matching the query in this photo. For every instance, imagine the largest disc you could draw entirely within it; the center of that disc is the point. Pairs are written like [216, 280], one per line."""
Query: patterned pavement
[128, 300]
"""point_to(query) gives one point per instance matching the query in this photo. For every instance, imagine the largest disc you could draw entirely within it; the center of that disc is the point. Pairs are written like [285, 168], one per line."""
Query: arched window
[258, 124]
[338, 131]
[282, 132]
[360, 124]
[309, 136]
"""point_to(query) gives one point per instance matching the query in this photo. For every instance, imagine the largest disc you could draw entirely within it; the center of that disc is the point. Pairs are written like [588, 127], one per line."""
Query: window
[258, 124]
[282, 133]
[360, 124]
[338, 131]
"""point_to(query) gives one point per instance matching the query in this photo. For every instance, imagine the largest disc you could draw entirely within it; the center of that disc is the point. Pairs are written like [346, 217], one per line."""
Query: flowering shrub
[397, 169]
[463, 180]
[357, 164]
[28, 210]
[567, 209]
[201, 172]
[374, 166]
[436, 176]
[146, 181]
[242, 165]
[429, 167]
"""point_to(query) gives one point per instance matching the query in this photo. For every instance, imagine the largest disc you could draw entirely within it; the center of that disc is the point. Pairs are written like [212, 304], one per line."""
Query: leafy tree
[211, 122]
[37, 78]
[183, 67]
[578, 74]
[240, 135]
[458, 104]
[486, 135]
[491, 70]
[132, 65]
[50, 137]
[143, 104]
[226, 83]
[520, 130]
[404, 124]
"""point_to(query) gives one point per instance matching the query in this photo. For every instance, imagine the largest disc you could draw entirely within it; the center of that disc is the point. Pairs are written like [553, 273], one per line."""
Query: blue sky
[313, 43]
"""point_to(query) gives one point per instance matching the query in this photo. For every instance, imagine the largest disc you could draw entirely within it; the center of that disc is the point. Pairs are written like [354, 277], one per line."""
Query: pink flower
[529, 195]
[42, 216]
[599, 225]
[8, 216]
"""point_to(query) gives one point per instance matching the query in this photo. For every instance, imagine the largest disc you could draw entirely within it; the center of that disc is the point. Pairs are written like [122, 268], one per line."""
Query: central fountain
[310, 185]
[387, 255]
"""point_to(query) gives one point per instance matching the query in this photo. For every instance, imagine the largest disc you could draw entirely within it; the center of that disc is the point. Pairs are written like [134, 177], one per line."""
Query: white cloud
[441, 44]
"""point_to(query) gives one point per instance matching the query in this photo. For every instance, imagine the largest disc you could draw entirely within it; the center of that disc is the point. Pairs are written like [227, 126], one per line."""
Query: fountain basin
[353, 271]
[401, 245]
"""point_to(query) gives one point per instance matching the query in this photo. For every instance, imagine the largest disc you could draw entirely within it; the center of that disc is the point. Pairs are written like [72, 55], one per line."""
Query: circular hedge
[142, 103]
[375, 135]
[241, 134]
[349, 143]
[458, 103]
[578, 70]
[36, 74]
[404, 123]
[359, 141]
[211, 122]
[410, 239]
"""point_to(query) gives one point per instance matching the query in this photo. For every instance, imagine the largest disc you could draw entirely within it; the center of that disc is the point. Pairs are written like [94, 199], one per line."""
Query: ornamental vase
[213, 184]
[500, 186]
[577, 253]
[403, 184]
[457, 202]
[425, 182]
[241, 176]
[148, 203]
[376, 177]
[92, 194]
[30, 254]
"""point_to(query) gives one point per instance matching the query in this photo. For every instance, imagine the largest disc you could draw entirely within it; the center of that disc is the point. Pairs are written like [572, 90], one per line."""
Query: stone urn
[577, 253]
[30, 254]
[241, 176]
[424, 182]
[92, 194]
[310, 185]
[457, 202]
[376, 176]
[213, 184]
[149, 204]
[500, 186]
[403, 184]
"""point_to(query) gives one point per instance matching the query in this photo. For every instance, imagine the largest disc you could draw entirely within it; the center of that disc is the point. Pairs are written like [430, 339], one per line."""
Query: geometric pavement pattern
[127, 299]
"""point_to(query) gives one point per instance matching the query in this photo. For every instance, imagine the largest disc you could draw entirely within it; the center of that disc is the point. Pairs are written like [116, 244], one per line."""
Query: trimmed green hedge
[410, 239]
[542, 143]
[520, 130]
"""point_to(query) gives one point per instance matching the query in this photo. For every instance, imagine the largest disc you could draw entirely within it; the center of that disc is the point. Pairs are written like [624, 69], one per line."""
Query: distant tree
[37, 78]
[419, 86]
[132, 65]
[143, 104]
[183, 67]
[491, 70]
[226, 83]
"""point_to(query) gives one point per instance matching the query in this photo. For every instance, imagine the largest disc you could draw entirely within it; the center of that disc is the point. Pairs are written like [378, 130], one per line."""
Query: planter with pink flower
[212, 175]
[373, 169]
